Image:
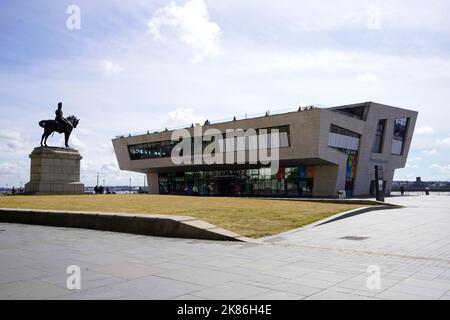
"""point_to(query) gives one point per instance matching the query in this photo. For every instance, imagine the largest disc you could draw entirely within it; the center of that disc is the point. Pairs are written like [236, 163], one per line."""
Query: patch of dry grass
[248, 217]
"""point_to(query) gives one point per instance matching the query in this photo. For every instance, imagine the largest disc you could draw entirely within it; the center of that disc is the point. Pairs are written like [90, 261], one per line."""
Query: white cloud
[182, 116]
[110, 167]
[369, 77]
[429, 152]
[425, 130]
[445, 141]
[442, 169]
[12, 141]
[14, 172]
[192, 26]
[76, 142]
[6, 168]
[341, 63]
[411, 166]
[110, 68]
[309, 15]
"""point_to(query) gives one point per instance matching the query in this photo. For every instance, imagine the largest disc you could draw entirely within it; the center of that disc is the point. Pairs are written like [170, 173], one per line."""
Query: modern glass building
[291, 181]
[321, 151]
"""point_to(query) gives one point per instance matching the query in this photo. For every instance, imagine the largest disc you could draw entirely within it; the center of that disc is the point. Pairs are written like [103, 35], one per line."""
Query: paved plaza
[410, 246]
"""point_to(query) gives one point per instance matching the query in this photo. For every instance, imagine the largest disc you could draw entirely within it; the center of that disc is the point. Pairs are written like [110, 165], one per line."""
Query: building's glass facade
[346, 141]
[350, 172]
[400, 128]
[151, 150]
[377, 146]
[162, 149]
[290, 181]
[340, 138]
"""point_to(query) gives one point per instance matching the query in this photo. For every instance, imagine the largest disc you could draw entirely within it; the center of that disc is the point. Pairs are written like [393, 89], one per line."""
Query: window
[400, 128]
[377, 146]
[344, 132]
[290, 181]
[343, 139]
[150, 150]
[358, 112]
[163, 149]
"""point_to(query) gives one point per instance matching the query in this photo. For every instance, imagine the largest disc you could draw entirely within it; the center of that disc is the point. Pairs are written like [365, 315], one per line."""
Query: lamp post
[130, 185]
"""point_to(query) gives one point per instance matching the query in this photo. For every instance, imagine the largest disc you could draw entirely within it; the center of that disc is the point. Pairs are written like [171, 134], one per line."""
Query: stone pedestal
[55, 171]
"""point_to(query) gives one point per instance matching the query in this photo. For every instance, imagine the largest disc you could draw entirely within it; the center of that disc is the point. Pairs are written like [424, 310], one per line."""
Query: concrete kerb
[336, 217]
[143, 224]
[365, 202]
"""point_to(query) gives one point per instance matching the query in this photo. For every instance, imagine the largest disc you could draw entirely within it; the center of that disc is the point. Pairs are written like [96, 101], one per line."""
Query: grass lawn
[247, 217]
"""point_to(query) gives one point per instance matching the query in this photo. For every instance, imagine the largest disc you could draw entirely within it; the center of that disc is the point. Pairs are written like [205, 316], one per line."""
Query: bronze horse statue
[51, 126]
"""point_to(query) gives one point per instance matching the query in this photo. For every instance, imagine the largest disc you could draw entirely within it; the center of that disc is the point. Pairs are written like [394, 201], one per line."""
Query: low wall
[143, 224]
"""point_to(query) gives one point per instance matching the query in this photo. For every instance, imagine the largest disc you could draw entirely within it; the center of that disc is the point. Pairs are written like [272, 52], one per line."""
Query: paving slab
[230, 291]
[411, 246]
[29, 290]
[129, 270]
[153, 287]
[195, 275]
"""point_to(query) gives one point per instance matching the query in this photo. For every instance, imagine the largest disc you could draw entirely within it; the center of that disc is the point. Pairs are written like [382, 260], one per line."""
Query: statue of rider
[60, 118]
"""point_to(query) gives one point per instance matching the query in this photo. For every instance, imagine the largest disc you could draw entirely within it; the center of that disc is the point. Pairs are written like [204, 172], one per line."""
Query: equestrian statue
[60, 125]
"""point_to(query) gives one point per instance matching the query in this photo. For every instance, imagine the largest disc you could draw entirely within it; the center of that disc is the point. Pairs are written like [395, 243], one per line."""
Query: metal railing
[228, 119]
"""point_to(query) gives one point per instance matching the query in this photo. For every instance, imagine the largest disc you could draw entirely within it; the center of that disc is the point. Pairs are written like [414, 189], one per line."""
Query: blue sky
[137, 65]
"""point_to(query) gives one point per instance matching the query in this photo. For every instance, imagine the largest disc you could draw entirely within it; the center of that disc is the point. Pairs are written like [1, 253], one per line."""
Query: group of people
[193, 190]
[101, 190]
[14, 190]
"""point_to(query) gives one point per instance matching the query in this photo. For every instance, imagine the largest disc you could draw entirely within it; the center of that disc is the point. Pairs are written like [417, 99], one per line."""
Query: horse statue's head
[73, 120]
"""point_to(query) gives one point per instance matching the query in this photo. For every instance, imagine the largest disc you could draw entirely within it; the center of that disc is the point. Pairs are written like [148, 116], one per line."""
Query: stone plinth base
[55, 171]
